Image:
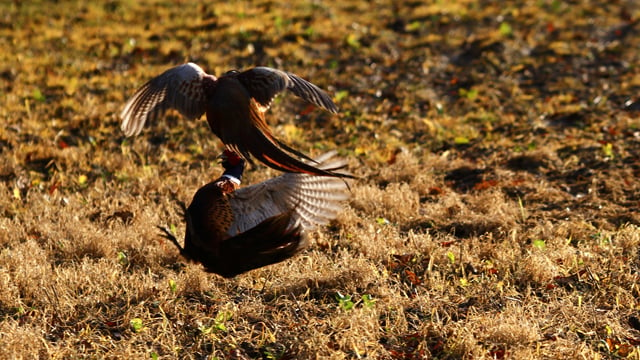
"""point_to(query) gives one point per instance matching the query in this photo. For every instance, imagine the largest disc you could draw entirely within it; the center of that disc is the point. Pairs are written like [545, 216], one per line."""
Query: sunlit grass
[496, 214]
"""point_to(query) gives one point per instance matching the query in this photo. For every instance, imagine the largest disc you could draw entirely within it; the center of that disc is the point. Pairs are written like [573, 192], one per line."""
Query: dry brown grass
[496, 215]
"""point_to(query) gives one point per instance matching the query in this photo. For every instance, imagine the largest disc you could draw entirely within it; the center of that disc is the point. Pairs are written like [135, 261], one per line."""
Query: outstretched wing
[264, 83]
[180, 88]
[314, 200]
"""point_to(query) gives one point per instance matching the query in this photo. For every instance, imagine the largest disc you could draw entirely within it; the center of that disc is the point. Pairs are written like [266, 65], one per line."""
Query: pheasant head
[233, 166]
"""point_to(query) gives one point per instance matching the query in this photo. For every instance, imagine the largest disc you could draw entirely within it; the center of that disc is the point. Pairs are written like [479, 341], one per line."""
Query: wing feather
[264, 83]
[315, 200]
[180, 88]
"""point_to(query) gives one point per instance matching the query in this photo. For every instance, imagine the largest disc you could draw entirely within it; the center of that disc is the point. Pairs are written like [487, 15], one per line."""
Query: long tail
[274, 156]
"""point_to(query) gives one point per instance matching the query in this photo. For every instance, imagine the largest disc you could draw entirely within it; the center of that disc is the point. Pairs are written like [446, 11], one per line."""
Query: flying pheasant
[235, 104]
[231, 230]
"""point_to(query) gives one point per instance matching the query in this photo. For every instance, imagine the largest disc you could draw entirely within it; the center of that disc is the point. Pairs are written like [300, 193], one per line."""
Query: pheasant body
[231, 230]
[235, 106]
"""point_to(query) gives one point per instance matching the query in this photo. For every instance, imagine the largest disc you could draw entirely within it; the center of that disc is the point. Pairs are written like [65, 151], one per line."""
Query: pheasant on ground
[231, 230]
[235, 104]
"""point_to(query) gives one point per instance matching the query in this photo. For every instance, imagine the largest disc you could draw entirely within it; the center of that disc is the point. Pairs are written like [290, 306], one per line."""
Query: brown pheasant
[235, 105]
[231, 230]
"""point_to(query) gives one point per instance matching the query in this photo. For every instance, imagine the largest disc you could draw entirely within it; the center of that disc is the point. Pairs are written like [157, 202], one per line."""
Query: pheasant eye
[231, 157]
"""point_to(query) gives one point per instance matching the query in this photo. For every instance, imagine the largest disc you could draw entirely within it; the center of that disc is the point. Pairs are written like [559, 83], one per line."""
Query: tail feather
[274, 156]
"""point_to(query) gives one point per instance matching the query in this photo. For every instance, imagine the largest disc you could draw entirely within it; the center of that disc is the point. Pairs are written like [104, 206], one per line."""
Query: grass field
[496, 215]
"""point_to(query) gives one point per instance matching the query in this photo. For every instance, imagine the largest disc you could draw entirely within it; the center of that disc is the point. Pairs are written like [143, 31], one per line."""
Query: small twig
[513, 299]
[300, 310]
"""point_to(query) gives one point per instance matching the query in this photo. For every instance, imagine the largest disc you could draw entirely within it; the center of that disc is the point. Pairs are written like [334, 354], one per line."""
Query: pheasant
[235, 106]
[232, 230]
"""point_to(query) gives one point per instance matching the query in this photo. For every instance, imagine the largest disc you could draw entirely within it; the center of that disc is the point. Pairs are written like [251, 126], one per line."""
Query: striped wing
[179, 88]
[314, 200]
[264, 83]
